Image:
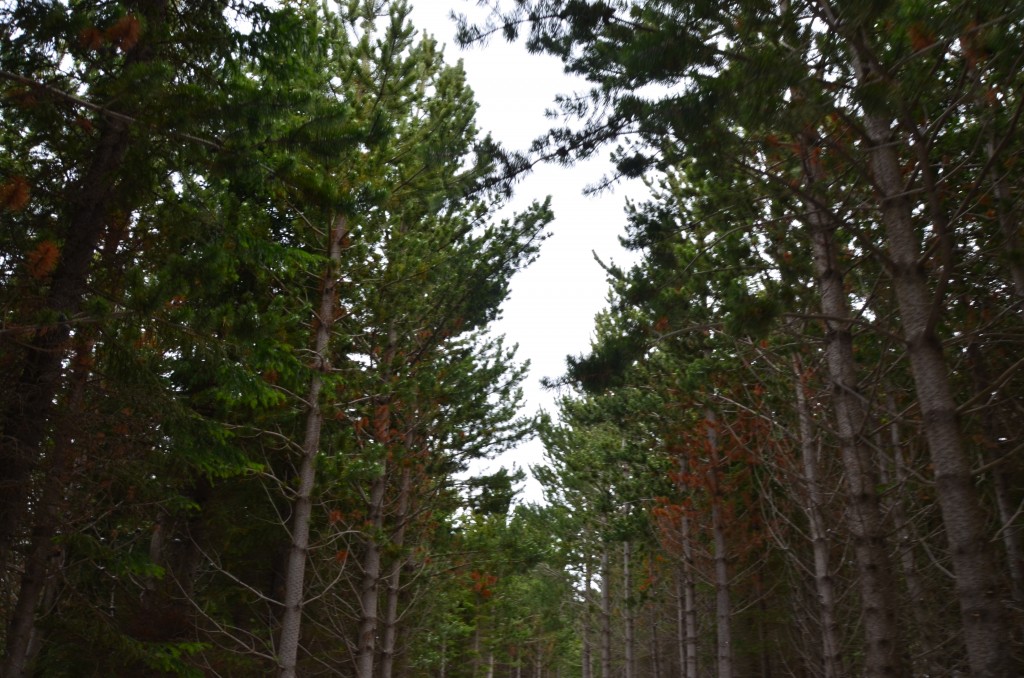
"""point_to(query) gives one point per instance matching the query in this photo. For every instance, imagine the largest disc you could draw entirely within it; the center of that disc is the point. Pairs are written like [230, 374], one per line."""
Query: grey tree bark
[627, 609]
[680, 621]
[295, 568]
[389, 640]
[585, 650]
[979, 591]
[369, 597]
[655, 650]
[832, 660]
[369, 589]
[686, 603]
[606, 614]
[723, 602]
[923, 642]
[863, 512]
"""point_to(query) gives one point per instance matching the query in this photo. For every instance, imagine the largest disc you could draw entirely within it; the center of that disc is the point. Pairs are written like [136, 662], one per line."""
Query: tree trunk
[1009, 224]
[389, 641]
[585, 650]
[369, 588]
[992, 451]
[832, 663]
[476, 649]
[978, 588]
[627, 608]
[680, 622]
[27, 420]
[655, 646]
[295, 569]
[22, 634]
[689, 600]
[923, 642]
[606, 614]
[864, 516]
[764, 654]
[723, 604]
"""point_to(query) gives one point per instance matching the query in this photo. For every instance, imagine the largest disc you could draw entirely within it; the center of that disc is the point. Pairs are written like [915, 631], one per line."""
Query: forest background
[251, 258]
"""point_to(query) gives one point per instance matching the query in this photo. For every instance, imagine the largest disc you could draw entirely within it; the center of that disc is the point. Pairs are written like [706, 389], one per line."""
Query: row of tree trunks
[685, 585]
[983, 618]
[864, 516]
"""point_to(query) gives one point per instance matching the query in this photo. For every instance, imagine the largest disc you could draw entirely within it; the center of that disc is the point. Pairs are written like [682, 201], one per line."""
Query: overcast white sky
[552, 305]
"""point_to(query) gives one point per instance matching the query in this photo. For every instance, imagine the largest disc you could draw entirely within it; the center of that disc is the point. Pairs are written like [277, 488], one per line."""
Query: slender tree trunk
[606, 614]
[295, 568]
[47, 602]
[585, 650]
[476, 649]
[1006, 213]
[864, 516]
[389, 641]
[655, 646]
[723, 604]
[686, 589]
[923, 641]
[22, 634]
[1009, 223]
[680, 622]
[369, 589]
[27, 420]
[689, 599]
[992, 450]
[764, 655]
[832, 665]
[627, 608]
[983, 617]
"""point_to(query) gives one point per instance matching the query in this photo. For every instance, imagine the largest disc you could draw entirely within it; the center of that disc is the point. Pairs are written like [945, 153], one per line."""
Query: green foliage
[247, 132]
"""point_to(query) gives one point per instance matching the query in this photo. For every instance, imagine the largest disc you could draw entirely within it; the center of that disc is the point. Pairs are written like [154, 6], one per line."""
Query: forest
[251, 257]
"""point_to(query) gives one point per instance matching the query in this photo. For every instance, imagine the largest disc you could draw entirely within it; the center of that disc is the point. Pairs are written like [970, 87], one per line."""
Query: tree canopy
[251, 259]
